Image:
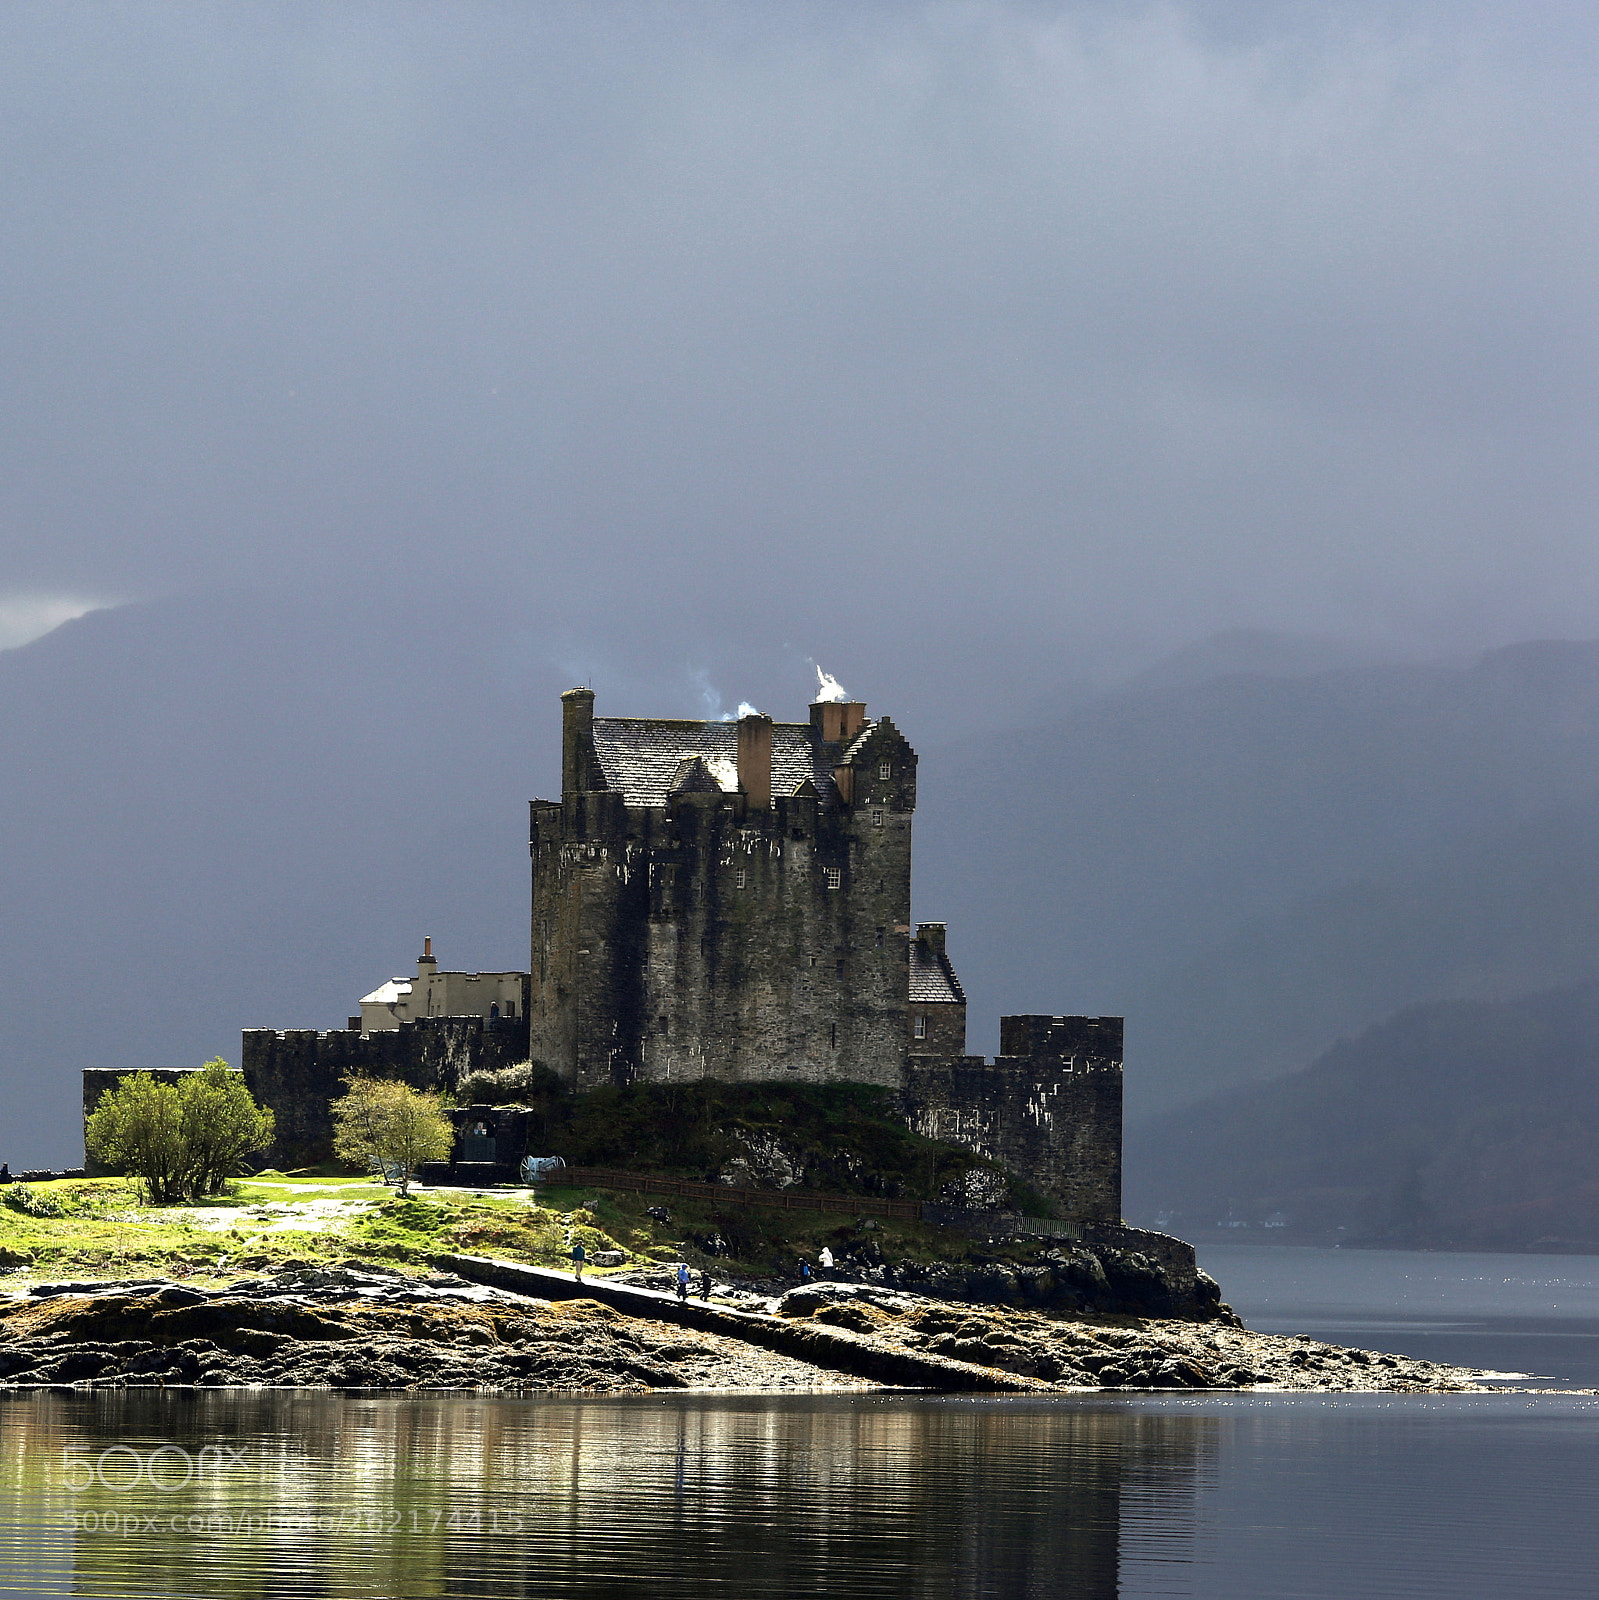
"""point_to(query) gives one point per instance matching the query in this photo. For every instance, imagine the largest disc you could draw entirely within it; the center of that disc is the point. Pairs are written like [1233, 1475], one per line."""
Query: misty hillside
[1457, 1124]
[1252, 866]
[1497, 916]
[228, 813]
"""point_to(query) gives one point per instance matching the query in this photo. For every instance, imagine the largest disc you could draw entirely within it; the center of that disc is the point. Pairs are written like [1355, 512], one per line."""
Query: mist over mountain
[233, 812]
[238, 811]
[1250, 867]
[1460, 1124]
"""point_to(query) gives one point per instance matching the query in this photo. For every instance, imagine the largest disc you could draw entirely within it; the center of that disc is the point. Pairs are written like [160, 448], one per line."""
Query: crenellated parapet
[1052, 1112]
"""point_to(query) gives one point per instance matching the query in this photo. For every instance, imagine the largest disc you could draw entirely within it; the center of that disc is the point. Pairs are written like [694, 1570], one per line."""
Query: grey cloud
[712, 333]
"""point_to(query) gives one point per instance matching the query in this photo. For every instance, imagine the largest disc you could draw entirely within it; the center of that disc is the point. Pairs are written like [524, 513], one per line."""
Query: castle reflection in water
[321, 1494]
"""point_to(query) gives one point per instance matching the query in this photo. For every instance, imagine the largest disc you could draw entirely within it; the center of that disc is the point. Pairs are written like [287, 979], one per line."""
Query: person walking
[705, 1283]
[579, 1256]
[682, 1280]
[805, 1271]
[826, 1259]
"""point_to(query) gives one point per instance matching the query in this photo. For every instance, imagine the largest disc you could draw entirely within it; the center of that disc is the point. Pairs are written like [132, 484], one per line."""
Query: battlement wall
[299, 1072]
[1054, 1119]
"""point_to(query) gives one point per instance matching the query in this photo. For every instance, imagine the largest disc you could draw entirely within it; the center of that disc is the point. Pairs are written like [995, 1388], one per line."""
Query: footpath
[834, 1349]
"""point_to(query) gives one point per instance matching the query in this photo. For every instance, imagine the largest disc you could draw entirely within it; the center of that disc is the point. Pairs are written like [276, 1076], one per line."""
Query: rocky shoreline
[358, 1326]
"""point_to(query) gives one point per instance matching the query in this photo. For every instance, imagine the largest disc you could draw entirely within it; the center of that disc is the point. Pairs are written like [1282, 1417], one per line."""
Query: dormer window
[885, 771]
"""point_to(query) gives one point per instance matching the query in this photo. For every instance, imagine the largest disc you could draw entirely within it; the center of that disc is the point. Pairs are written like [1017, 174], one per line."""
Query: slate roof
[641, 756]
[388, 994]
[933, 980]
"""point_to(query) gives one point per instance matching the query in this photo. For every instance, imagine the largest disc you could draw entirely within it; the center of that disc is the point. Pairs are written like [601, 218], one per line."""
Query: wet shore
[360, 1326]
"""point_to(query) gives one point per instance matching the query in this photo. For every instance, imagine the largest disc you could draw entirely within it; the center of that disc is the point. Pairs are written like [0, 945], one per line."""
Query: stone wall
[299, 1072]
[1053, 1120]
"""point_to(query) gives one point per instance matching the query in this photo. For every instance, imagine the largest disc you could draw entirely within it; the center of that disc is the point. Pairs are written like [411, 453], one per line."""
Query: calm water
[1533, 1314]
[273, 1494]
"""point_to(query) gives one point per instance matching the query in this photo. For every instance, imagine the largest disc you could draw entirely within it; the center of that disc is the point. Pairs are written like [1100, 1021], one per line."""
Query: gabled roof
[933, 980]
[642, 758]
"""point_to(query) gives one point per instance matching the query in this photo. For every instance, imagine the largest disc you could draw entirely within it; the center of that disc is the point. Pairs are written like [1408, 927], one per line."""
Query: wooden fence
[776, 1199]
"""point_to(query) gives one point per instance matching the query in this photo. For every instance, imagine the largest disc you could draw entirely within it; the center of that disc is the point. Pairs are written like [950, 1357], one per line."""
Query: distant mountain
[1250, 867]
[1458, 1124]
[1261, 652]
[1514, 910]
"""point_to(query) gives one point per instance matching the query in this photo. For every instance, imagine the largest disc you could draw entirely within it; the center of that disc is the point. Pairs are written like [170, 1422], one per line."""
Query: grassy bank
[98, 1227]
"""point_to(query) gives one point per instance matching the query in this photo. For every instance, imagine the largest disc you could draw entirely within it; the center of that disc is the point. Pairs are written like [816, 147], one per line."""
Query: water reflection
[311, 1495]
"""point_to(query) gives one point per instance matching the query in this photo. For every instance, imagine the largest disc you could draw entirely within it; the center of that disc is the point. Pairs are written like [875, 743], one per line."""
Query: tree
[221, 1124]
[390, 1126]
[181, 1140]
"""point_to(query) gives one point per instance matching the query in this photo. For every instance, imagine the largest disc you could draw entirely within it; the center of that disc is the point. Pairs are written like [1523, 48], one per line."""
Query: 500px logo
[167, 1468]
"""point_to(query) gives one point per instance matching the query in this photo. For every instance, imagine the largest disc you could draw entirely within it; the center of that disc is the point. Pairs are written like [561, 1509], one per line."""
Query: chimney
[577, 740]
[427, 963]
[838, 721]
[931, 935]
[755, 760]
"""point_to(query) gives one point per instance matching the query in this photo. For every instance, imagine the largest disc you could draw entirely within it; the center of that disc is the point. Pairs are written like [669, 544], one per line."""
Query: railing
[775, 1199]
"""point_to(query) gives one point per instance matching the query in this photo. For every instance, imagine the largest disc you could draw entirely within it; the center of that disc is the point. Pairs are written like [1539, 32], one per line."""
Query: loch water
[190, 1493]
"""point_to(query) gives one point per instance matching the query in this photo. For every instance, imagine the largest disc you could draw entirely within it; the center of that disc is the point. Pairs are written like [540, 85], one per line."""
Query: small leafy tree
[221, 1125]
[182, 1140]
[390, 1126]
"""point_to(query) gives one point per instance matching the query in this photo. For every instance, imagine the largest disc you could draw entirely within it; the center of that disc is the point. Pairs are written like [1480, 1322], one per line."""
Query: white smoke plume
[829, 688]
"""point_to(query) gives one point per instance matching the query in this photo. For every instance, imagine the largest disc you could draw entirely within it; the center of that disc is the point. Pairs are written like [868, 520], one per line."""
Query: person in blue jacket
[682, 1280]
[578, 1258]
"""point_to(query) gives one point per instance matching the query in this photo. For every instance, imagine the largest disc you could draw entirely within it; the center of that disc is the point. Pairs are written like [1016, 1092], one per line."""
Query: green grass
[845, 1133]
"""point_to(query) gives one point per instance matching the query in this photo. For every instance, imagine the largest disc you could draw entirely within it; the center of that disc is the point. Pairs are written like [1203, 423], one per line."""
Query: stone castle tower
[732, 900]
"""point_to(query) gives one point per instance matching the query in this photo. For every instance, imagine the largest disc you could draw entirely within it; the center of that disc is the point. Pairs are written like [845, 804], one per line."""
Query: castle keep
[724, 900]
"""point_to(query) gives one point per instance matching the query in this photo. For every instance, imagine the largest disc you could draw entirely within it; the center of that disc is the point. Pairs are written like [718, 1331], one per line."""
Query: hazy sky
[940, 340]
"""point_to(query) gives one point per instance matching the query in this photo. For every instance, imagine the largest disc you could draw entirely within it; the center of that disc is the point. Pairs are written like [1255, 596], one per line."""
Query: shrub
[182, 1140]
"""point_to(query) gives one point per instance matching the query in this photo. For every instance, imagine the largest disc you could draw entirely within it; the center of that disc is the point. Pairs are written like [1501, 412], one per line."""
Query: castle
[729, 900]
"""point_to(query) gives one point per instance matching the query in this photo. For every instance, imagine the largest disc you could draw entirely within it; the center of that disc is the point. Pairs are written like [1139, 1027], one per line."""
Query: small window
[877, 819]
[494, 1012]
[879, 938]
[838, 969]
[832, 1035]
[920, 1028]
[885, 770]
[743, 877]
[835, 877]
